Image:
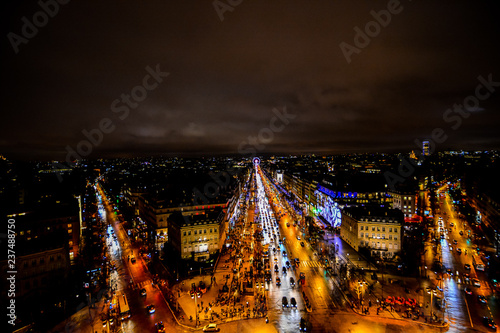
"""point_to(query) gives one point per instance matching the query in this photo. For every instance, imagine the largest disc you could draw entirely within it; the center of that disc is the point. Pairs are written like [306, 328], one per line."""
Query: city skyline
[208, 80]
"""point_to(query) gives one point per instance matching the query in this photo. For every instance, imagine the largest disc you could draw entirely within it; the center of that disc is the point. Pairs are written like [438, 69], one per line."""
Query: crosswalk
[310, 263]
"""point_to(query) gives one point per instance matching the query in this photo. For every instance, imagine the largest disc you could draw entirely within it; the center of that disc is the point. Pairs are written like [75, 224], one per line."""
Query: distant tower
[426, 148]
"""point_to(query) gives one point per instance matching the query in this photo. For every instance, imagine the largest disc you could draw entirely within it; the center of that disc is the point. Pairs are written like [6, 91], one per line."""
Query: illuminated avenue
[278, 244]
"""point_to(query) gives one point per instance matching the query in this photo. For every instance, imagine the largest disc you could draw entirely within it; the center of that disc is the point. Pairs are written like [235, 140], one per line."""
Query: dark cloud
[226, 77]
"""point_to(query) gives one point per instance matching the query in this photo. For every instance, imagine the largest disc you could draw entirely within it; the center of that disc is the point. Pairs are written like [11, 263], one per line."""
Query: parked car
[211, 328]
[151, 308]
[468, 291]
[284, 302]
[476, 283]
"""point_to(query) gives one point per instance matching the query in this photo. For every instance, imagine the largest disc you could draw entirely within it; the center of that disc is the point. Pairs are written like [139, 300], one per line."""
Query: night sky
[226, 77]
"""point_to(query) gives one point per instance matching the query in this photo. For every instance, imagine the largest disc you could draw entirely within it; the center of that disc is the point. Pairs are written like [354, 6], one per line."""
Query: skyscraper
[426, 148]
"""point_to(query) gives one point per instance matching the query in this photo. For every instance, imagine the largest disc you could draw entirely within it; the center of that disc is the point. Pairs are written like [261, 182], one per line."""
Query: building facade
[405, 201]
[197, 236]
[375, 228]
[156, 212]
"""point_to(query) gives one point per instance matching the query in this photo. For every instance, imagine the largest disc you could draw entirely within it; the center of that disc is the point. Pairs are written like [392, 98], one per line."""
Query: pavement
[385, 285]
[238, 305]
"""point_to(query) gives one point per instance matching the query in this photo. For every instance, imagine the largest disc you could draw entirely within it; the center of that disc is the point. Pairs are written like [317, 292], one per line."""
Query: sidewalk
[235, 307]
[385, 285]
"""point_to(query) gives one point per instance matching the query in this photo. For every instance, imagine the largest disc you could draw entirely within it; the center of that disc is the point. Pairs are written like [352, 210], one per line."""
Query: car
[132, 259]
[481, 299]
[211, 328]
[284, 302]
[459, 250]
[466, 277]
[489, 323]
[298, 237]
[104, 322]
[275, 259]
[476, 283]
[455, 242]
[302, 244]
[143, 292]
[276, 268]
[287, 263]
[302, 324]
[297, 261]
[468, 291]
[467, 267]
[278, 281]
[293, 302]
[160, 328]
[461, 233]
[284, 253]
[292, 281]
[111, 321]
[151, 308]
[449, 272]
[288, 225]
[451, 248]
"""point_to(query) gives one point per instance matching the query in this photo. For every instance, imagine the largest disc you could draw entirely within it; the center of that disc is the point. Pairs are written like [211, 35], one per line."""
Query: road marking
[467, 305]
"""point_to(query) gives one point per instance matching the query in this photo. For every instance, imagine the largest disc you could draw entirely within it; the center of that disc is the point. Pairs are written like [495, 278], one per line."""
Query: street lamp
[195, 297]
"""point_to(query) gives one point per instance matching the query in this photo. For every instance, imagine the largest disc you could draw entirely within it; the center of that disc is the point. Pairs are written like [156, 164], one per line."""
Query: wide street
[269, 232]
[461, 283]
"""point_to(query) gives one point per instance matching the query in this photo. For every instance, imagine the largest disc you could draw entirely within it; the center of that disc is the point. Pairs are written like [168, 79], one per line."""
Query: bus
[477, 263]
[124, 308]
